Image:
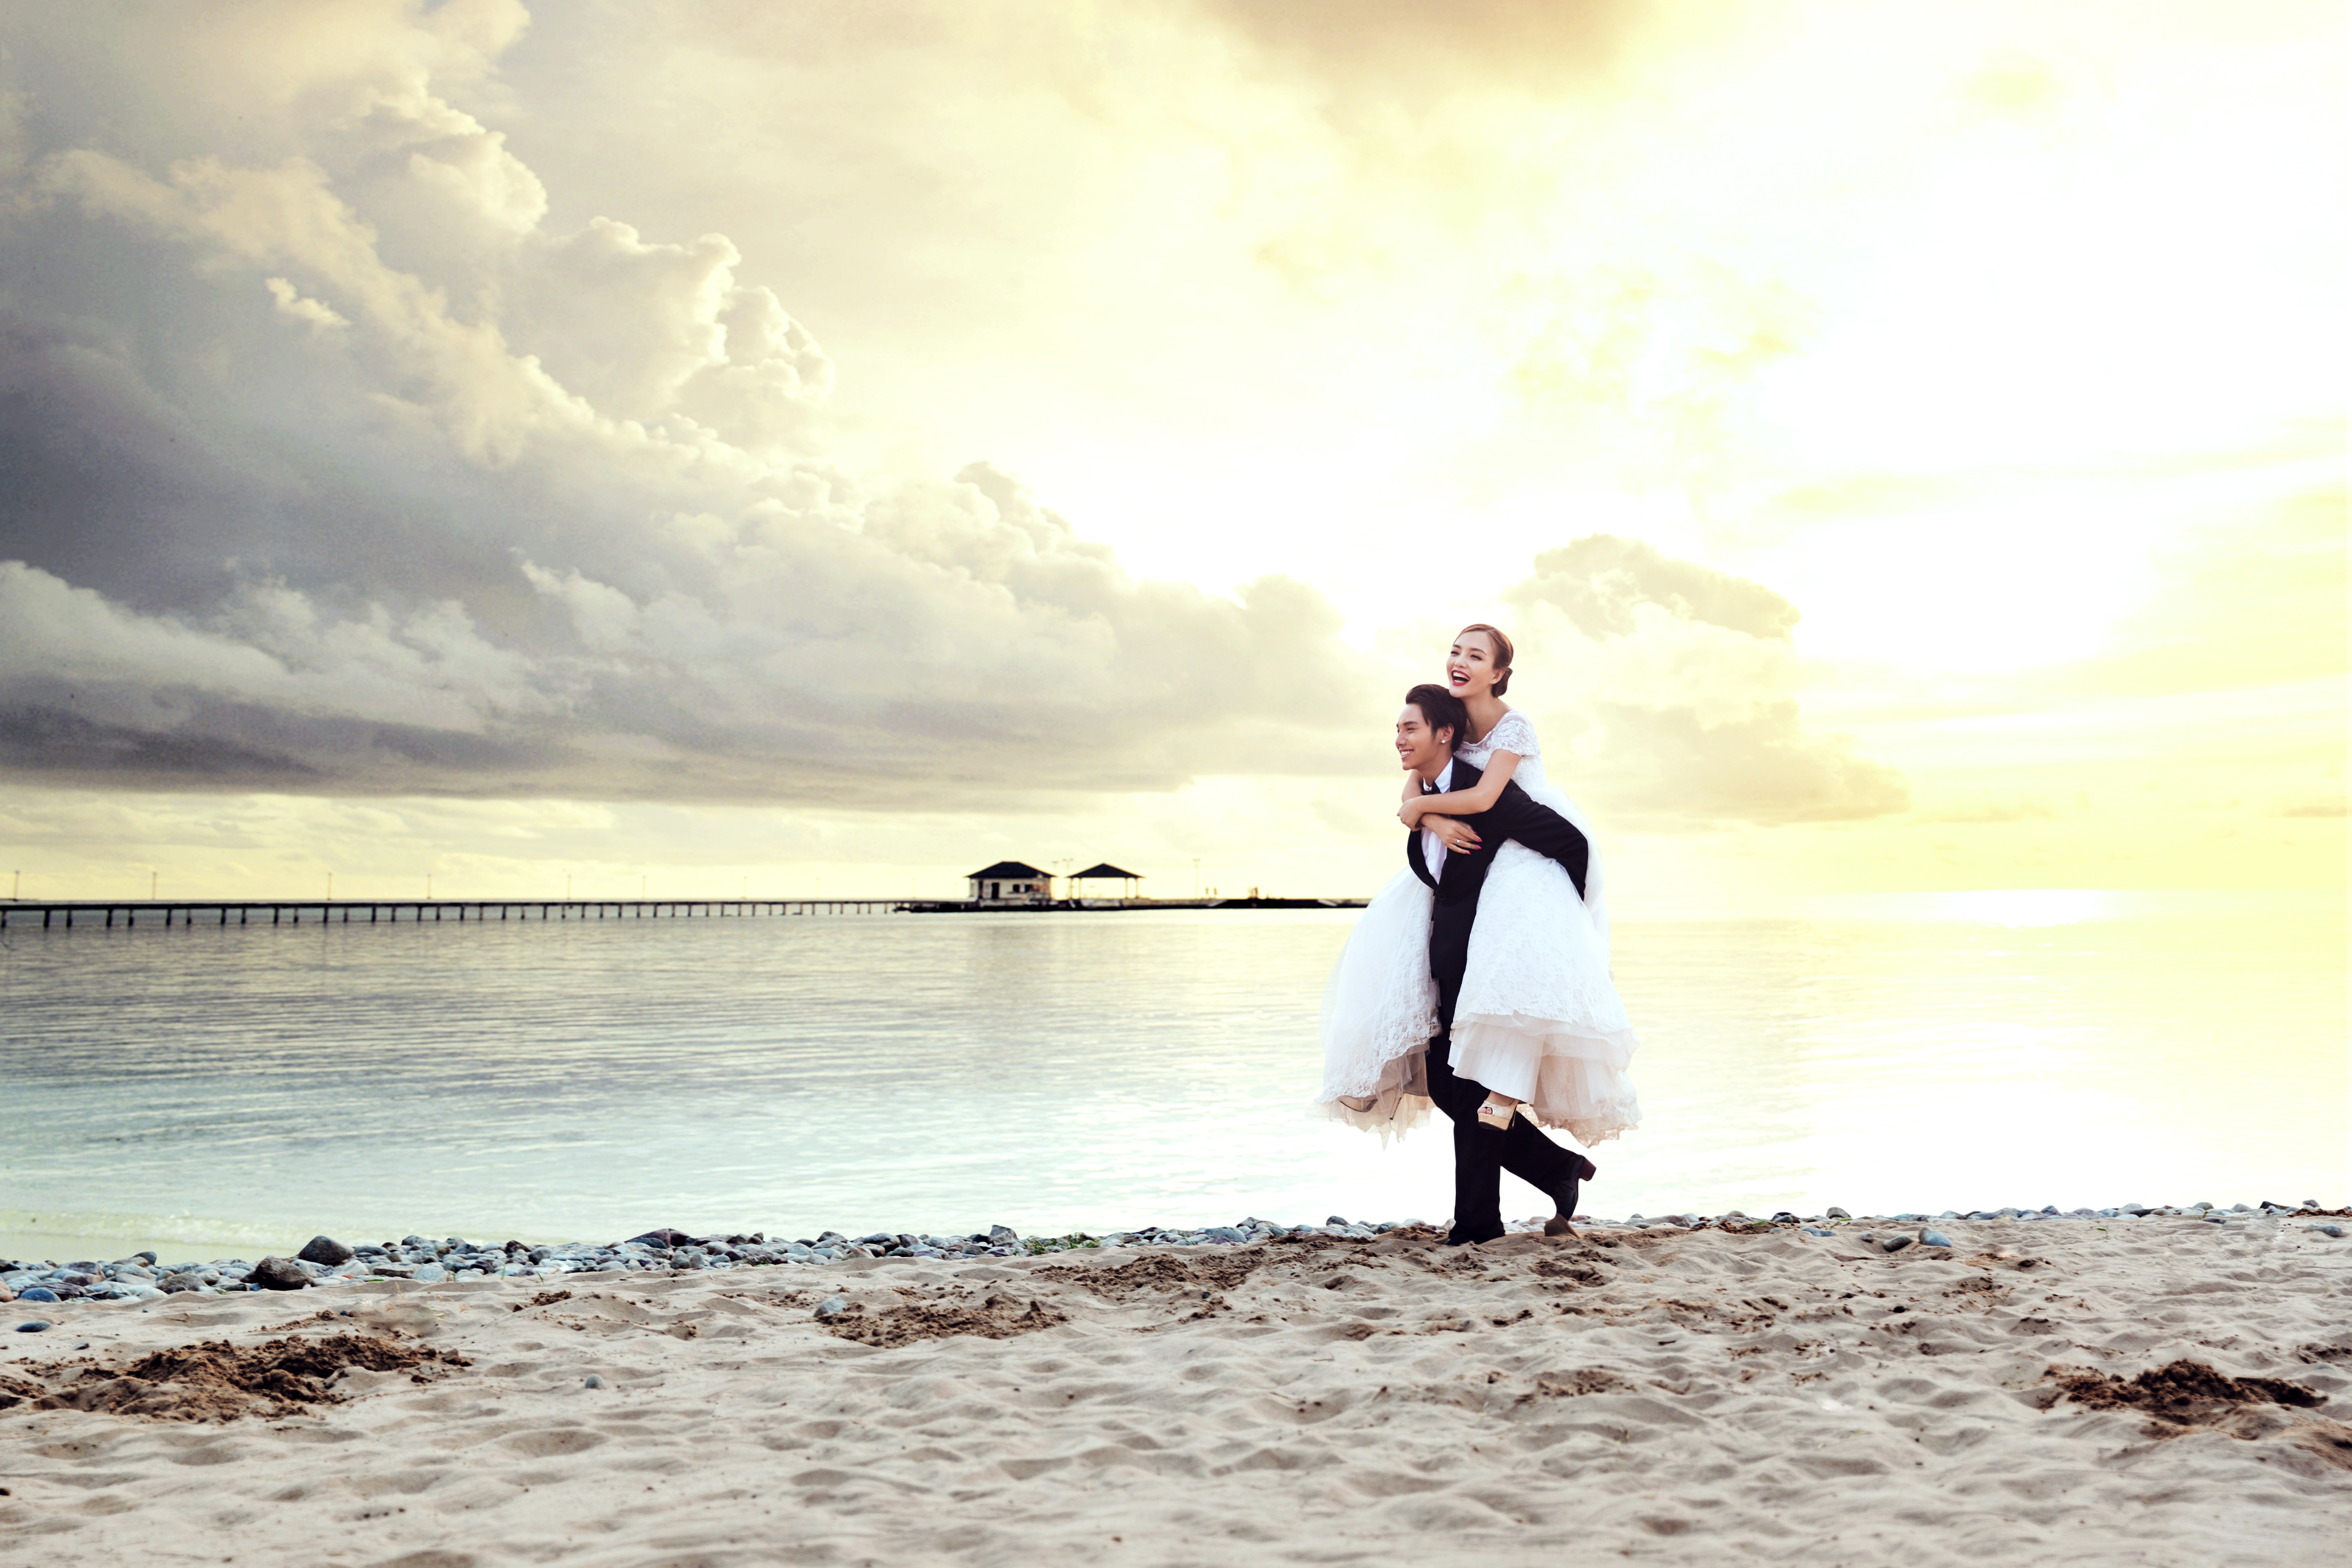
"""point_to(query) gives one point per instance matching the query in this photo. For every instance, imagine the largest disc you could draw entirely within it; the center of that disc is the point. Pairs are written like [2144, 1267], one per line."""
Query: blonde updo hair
[1502, 654]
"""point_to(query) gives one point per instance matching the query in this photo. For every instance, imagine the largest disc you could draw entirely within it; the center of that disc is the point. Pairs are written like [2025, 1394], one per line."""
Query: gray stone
[2312, 1203]
[325, 1250]
[592, 1381]
[37, 1326]
[279, 1273]
[428, 1273]
[1333, 1219]
[2212, 1219]
[832, 1306]
[1836, 1212]
[37, 1293]
[1896, 1243]
[2336, 1231]
[178, 1283]
[1816, 1230]
[1934, 1237]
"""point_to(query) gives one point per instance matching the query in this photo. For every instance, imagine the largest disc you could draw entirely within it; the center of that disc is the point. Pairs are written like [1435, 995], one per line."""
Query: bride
[1539, 1023]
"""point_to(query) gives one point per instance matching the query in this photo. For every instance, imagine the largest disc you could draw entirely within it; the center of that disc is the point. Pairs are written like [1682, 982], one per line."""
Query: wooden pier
[127, 913]
[409, 911]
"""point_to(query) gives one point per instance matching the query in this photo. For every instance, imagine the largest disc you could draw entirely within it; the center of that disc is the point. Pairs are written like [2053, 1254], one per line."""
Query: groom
[1452, 855]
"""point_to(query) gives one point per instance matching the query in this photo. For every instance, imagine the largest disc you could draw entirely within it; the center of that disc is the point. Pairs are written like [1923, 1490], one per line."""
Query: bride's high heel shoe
[1580, 1170]
[1496, 1112]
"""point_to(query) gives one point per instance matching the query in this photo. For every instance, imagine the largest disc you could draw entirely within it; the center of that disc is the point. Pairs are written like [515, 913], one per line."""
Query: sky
[813, 448]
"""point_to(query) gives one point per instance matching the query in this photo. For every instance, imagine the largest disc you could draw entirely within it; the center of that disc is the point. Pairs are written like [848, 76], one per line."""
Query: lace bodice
[1512, 733]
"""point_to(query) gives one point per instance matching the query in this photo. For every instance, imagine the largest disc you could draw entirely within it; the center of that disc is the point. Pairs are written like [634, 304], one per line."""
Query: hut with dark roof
[1011, 882]
[1104, 871]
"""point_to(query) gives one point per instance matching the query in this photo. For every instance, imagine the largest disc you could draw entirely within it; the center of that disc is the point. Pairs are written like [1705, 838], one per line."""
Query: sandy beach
[2164, 1390]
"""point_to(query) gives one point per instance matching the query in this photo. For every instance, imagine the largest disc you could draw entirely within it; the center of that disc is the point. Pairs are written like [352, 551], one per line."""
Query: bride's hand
[1458, 836]
[1410, 813]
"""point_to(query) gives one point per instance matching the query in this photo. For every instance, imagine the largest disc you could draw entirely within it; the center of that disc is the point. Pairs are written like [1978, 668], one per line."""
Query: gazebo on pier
[1011, 882]
[1130, 884]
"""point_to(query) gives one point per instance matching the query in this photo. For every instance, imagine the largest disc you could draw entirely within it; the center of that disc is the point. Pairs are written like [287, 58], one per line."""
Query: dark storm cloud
[327, 466]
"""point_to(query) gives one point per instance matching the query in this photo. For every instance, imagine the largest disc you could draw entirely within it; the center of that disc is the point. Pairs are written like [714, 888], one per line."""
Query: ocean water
[207, 1091]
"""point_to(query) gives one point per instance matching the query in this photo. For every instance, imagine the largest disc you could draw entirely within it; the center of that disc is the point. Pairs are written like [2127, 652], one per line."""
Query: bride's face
[1470, 667]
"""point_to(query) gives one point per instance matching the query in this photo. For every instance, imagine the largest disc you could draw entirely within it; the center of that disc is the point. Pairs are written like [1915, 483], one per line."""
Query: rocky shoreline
[326, 1261]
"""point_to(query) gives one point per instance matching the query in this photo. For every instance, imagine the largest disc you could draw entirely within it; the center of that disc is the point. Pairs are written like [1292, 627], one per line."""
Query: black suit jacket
[1514, 814]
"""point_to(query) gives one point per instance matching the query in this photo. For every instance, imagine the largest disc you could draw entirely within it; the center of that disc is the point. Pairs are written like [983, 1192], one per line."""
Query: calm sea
[206, 1090]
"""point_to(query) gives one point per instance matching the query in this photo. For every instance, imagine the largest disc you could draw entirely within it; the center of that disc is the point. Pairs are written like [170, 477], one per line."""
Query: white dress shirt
[1432, 848]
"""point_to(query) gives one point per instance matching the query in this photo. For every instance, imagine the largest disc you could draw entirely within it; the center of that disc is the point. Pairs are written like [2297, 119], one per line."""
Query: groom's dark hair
[1440, 710]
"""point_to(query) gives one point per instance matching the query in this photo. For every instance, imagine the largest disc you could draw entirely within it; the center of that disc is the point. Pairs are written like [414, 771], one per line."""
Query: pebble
[34, 1326]
[831, 1307]
[671, 1251]
[592, 1381]
[279, 1273]
[324, 1249]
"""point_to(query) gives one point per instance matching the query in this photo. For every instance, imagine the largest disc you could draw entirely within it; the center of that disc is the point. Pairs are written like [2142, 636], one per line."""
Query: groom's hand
[1458, 836]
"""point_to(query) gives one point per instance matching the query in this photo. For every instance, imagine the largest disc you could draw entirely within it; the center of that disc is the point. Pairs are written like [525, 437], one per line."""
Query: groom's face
[1420, 749]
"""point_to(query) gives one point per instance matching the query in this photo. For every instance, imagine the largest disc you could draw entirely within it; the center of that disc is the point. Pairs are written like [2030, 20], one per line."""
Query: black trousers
[1481, 1154]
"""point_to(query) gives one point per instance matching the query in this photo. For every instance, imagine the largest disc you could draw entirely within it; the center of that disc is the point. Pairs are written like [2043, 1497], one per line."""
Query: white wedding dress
[1538, 1018]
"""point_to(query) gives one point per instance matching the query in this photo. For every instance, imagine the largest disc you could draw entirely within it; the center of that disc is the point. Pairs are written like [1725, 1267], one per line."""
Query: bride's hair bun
[1502, 654]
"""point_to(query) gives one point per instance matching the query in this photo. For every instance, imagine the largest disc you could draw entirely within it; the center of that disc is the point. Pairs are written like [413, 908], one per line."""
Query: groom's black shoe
[1580, 1170]
[1460, 1236]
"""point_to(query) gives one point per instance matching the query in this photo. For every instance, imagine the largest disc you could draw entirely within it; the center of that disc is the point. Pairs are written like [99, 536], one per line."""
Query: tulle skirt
[1380, 1011]
[1538, 1018]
